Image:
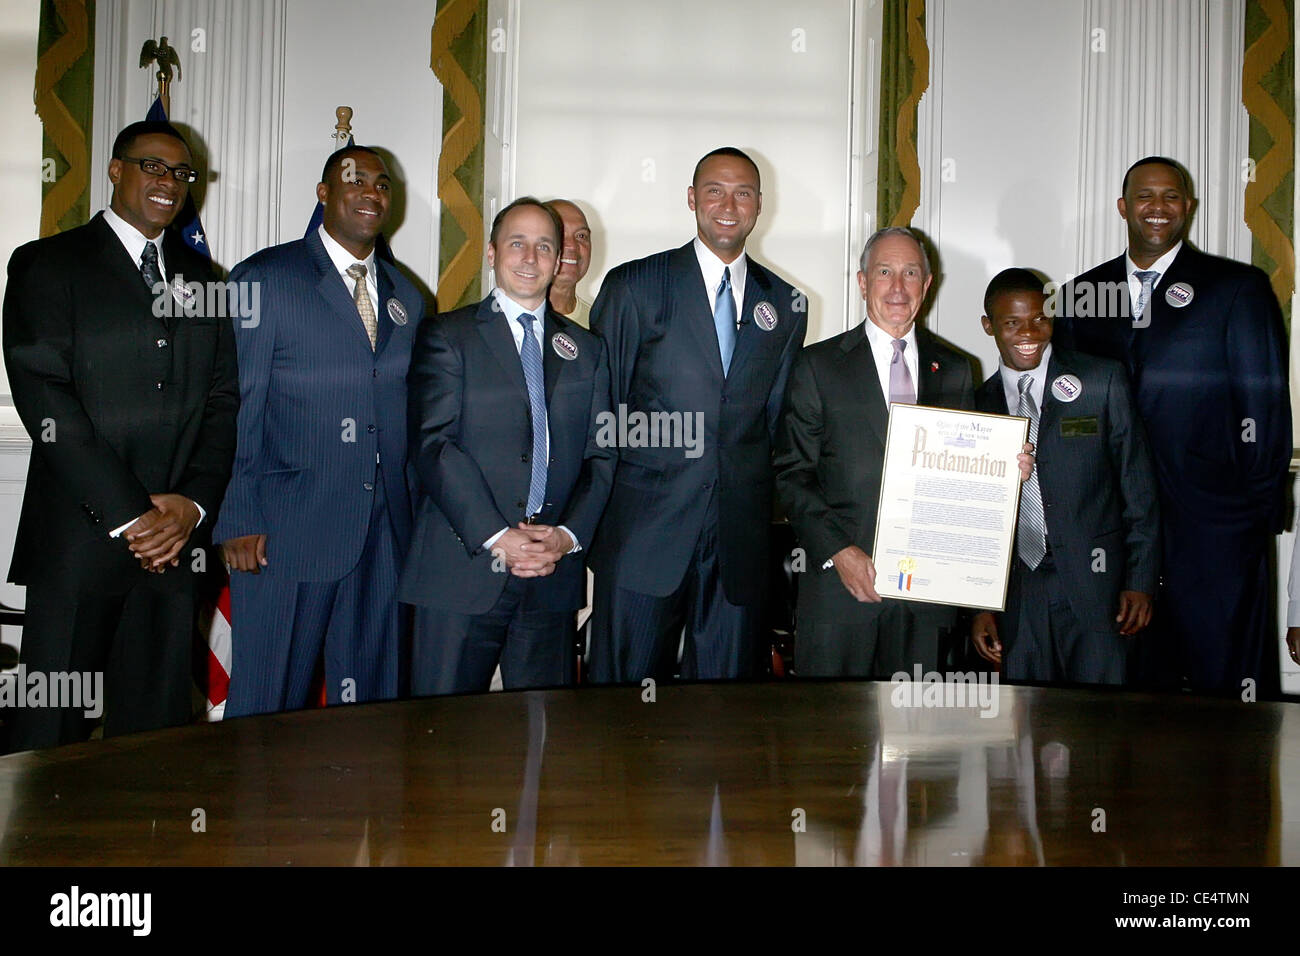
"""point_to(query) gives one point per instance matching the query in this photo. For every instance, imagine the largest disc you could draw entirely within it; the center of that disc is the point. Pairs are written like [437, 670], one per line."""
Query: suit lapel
[334, 290]
[383, 321]
[862, 373]
[692, 300]
[1050, 412]
[501, 342]
[993, 396]
[116, 263]
[757, 285]
[552, 364]
[929, 371]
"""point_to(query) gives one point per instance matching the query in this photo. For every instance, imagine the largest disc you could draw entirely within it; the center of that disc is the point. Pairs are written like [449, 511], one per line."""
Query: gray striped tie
[1031, 533]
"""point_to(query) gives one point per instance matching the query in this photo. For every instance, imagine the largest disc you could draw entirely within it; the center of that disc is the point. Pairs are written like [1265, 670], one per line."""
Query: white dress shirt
[1011, 382]
[711, 268]
[1161, 266]
[882, 351]
[344, 260]
[134, 241]
[512, 310]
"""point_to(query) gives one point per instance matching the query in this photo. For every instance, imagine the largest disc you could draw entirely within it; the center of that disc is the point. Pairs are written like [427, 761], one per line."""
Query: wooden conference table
[779, 773]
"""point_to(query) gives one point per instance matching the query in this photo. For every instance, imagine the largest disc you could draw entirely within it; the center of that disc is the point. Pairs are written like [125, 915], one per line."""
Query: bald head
[575, 251]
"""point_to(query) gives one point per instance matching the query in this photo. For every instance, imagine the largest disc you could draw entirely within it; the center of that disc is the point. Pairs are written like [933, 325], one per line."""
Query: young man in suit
[507, 402]
[131, 403]
[1202, 341]
[319, 514]
[1087, 539]
[829, 457]
[705, 333]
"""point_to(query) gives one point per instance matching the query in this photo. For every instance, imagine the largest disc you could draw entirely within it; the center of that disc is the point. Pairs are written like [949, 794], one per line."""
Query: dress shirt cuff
[117, 532]
[487, 545]
[572, 537]
[1293, 613]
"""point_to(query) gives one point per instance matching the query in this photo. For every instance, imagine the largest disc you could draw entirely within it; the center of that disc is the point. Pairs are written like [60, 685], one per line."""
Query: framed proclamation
[949, 496]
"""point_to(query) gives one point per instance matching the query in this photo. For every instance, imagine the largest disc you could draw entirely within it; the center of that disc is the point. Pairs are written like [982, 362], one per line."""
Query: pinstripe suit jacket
[318, 407]
[655, 317]
[1099, 488]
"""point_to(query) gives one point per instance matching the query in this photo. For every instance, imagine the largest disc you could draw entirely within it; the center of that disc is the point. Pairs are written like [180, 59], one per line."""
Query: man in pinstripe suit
[318, 511]
[1084, 587]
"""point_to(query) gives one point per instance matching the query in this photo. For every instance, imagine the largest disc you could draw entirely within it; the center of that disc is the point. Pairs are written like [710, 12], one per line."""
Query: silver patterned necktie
[530, 354]
[1148, 280]
[901, 388]
[1031, 532]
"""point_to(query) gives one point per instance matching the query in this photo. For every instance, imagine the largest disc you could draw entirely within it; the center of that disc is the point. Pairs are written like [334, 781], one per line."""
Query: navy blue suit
[320, 469]
[684, 540]
[471, 446]
[1210, 384]
[1103, 527]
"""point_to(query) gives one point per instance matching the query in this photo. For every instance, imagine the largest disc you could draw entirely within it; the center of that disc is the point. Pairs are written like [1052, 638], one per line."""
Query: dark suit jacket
[1099, 489]
[472, 442]
[318, 406]
[655, 318]
[120, 402]
[832, 442]
[1198, 373]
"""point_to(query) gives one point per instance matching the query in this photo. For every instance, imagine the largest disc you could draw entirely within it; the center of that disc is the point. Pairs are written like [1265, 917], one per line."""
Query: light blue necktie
[724, 320]
[531, 356]
[1148, 280]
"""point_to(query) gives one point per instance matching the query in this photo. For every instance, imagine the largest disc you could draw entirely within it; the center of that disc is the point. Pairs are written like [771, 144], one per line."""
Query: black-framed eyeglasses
[183, 174]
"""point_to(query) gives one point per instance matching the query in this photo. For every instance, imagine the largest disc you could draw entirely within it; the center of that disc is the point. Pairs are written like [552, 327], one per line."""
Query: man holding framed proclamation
[829, 460]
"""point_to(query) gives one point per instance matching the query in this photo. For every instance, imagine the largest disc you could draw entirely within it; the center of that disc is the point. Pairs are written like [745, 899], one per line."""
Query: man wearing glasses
[130, 402]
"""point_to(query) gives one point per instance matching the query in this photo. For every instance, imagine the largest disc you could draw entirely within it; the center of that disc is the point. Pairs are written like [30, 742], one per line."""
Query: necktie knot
[526, 320]
[1026, 380]
[900, 346]
[357, 270]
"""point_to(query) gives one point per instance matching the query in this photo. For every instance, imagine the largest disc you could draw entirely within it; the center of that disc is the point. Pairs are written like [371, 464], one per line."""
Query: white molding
[862, 166]
[1168, 82]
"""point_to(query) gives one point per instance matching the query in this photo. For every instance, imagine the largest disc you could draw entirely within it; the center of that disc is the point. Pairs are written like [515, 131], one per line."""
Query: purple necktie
[901, 388]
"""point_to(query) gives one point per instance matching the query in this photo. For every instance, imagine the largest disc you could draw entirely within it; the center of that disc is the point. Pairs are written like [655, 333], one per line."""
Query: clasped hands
[157, 536]
[532, 550]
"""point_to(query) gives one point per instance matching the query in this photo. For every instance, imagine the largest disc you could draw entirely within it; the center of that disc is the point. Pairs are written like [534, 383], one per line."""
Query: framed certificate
[949, 496]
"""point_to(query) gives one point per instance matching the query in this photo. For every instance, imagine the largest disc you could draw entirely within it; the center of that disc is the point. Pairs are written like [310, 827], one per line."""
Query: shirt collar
[711, 268]
[882, 340]
[1011, 380]
[512, 310]
[1161, 265]
[343, 259]
[132, 238]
